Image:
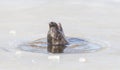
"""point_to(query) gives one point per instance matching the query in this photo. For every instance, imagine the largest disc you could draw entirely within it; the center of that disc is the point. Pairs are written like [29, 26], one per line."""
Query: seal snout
[53, 24]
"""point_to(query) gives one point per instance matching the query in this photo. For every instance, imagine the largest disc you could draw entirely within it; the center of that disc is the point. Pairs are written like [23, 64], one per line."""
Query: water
[76, 45]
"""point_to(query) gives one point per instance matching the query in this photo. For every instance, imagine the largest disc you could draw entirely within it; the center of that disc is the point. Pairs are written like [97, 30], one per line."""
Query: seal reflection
[56, 49]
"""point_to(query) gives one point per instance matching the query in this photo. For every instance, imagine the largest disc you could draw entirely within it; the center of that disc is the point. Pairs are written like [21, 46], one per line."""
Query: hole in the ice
[76, 45]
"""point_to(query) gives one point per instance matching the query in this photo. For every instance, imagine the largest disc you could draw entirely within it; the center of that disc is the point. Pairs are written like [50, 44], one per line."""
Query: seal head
[55, 37]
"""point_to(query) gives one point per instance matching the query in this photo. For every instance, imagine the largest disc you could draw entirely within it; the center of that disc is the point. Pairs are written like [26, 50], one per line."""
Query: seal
[55, 38]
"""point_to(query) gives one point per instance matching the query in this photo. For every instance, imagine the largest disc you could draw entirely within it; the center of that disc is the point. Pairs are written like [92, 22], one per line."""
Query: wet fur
[55, 38]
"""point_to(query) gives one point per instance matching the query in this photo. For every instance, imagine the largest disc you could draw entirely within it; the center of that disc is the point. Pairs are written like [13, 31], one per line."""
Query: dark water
[76, 45]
